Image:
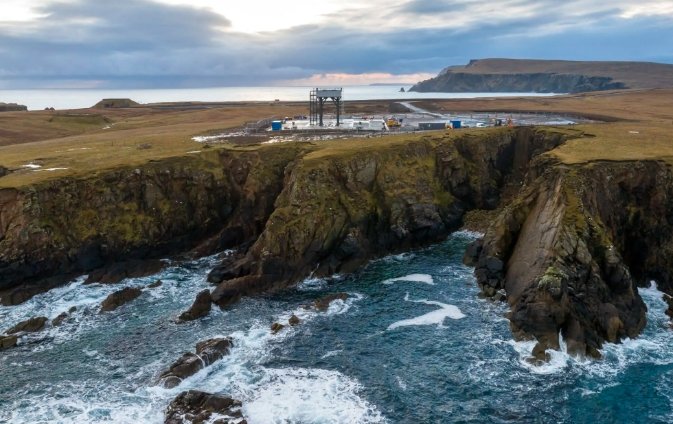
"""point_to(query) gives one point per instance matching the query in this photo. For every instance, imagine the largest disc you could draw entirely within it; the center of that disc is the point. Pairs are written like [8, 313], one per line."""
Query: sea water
[38, 99]
[413, 343]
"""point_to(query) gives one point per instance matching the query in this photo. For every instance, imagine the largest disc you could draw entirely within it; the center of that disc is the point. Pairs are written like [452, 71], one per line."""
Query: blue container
[276, 125]
[456, 124]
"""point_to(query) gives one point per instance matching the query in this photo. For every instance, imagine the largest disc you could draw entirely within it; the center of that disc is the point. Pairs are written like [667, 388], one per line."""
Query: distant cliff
[11, 107]
[547, 76]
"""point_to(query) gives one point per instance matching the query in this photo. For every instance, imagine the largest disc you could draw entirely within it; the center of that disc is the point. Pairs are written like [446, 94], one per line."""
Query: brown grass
[641, 128]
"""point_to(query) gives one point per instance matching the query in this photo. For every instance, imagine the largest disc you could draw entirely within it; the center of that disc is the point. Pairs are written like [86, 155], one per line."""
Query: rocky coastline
[566, 250]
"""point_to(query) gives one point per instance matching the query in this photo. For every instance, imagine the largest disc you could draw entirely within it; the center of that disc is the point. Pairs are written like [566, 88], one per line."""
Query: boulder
[197, 407]
[59, 319]
[207, 352]
[294, 320]
[200, 307]
[7, 342]
[276, 327]
[213, 349]
[119, 298]
[29, 326]
[155, 284]
[323, 303]
[115, 273]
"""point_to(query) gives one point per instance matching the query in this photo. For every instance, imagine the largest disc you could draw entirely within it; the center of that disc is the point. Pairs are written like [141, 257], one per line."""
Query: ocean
[413, 343]
[84, 98]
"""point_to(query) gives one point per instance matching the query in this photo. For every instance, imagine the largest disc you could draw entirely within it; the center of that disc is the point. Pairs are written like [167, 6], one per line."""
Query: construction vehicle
[393, 123]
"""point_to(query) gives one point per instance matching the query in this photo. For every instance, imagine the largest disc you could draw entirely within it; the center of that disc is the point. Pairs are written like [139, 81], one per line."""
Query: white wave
[415, 278]
[331, 353]
[401, 257]
[302, 395]
[435, 317]
[468, 234]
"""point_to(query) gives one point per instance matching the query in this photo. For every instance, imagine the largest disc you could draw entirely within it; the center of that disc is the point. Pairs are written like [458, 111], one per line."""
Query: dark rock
[119, 271]
[29, 326]
[323, 303]
[155, 284]
[190, 363]
[72, 309]
[200, 307]
[119, 298]
[294, 320]
[3, 171]
[276, 327]
[7, 342]
[59, 319]
[472, 252]
[197, 407]
[213, 349]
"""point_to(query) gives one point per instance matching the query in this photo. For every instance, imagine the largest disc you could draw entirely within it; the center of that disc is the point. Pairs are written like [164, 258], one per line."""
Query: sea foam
[435, 317]
[414, 278]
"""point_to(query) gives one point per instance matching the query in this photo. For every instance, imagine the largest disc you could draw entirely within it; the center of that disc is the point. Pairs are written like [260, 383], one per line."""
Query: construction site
[327, 119]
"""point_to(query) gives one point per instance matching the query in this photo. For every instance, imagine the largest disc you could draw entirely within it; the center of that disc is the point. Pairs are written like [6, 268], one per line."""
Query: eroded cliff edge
[570, 250]
[567, 249]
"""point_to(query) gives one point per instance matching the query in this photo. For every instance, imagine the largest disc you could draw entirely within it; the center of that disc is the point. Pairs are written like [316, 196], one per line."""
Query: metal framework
[317, 99]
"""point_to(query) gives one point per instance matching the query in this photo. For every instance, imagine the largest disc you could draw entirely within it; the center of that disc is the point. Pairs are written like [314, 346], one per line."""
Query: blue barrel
[276, 125]
[456, 124]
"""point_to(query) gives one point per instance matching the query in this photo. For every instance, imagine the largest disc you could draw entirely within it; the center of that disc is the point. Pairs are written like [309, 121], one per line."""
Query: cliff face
[335, 213]
[68, 226]
[570, 250]
[460, 82]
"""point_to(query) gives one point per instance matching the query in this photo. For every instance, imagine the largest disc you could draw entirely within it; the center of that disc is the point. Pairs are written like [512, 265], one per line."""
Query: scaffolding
[317, 99]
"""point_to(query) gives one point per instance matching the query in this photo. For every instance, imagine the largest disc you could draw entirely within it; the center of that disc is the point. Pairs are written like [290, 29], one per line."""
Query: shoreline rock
[31, 325]
[199, 309]
[207, 352]
[119, 298]
[197, 407]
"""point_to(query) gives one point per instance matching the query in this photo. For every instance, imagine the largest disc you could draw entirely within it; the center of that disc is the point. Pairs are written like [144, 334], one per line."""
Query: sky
[202, 43]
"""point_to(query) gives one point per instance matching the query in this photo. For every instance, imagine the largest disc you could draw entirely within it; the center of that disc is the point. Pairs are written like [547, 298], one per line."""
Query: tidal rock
[197, 407]
[294, 320]
[115, 273]
[29, 326]
[213, 349]
[7, 342]
[119, 298]
[323, 303]
[200, 307]
[59, 319]
[207, 352]
[72, 309]
[155, 284]
[276, 327]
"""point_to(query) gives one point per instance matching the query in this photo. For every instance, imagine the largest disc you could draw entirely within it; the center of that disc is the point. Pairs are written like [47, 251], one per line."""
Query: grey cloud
[142, 43]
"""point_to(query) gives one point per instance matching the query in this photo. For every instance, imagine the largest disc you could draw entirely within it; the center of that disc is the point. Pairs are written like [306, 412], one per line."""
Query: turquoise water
[412, 344]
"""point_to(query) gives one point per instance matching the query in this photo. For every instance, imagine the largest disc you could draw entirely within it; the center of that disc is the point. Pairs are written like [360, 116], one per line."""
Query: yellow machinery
[392, 123]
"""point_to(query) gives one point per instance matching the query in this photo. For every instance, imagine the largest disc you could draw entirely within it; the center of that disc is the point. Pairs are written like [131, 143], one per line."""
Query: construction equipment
[393, 123]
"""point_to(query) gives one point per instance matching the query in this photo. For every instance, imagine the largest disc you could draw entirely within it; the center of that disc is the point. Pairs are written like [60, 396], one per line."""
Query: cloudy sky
[198, 43]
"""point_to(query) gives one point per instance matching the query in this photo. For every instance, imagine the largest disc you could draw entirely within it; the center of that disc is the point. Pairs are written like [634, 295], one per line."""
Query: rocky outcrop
[116, 272]
[31, 325]
[197, 407]
[199, 309]
[570, 250]
[7, 342]
[207, 352]
[335, 213]
[119, 298]
[57, 229]
[323, 303]
[461, 82]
